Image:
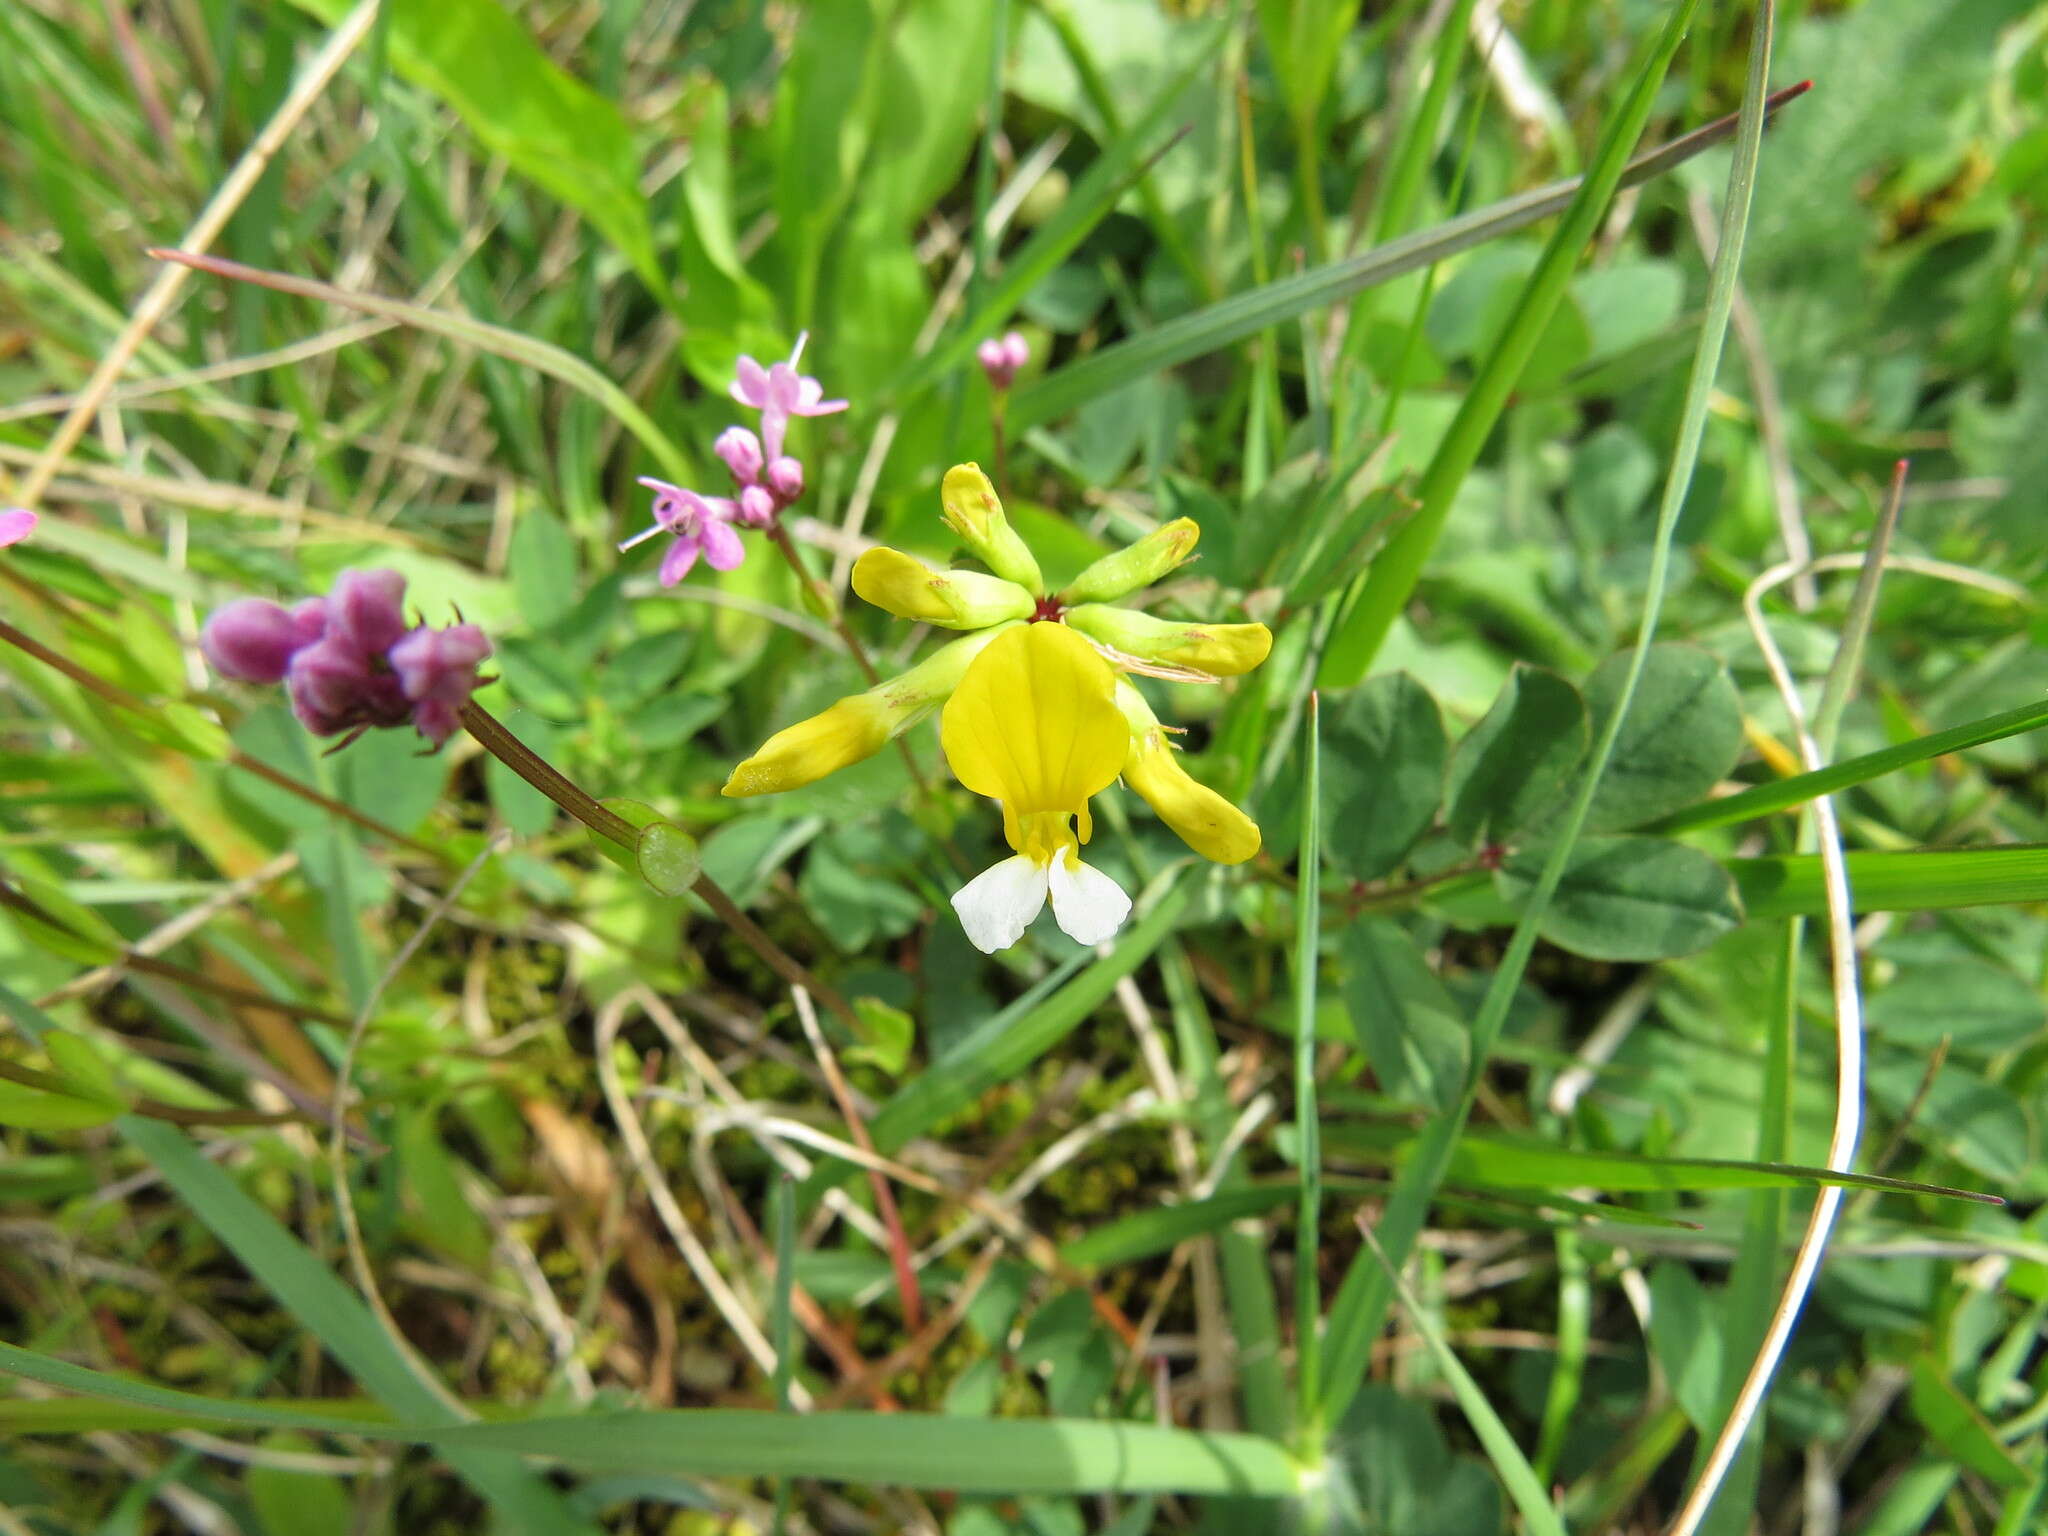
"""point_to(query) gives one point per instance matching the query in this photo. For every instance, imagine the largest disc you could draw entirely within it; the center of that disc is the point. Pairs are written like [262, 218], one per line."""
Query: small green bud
[910, 589]
[973, 511]
[1137, 565]
[1222, 650]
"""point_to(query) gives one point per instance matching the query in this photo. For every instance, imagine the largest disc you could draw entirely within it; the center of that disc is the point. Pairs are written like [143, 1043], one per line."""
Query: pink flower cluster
[349, 659]
[765, 479]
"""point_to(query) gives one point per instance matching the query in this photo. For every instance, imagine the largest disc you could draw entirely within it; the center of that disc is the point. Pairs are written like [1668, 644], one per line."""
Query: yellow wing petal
[1034, 723]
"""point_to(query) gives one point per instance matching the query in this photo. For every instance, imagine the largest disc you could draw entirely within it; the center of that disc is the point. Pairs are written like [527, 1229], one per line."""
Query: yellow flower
[855, 728]
[1205, 821]
[973, 511]
[1034, 725]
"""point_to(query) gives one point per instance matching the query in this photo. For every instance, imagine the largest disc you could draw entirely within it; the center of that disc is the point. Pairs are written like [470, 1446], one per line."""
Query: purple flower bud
[16, 524]
[757, 505]
[1001, 357]
[741, 451]
[366, 608]
[436, 668]
[785, 480]
[335, 687]
[309, 617]
[252, 641]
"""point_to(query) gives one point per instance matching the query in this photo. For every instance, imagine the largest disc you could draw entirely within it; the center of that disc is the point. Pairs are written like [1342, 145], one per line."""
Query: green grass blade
[1918, 880]
[1361, 1305]
[1783, 794]
[1246, 314]
[1388, 583]
[916, 1450]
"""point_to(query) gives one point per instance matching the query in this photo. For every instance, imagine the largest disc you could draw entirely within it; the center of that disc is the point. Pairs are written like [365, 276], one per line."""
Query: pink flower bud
[757, 506]
[252, 641]
[436, 668]
[335, 687]
[16, 524]
[1001, 357]
[785, 480]
[366, 608]
[741, 451]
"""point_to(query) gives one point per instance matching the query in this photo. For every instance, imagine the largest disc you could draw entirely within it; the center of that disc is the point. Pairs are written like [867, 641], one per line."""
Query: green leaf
[293, 1503]
[1682, 734]
[1512, 766]
[1383, 761]
[41, 1109]
[1959, 1429]
[85, 1072]
[1629, 898]
[543, 567]
[1396, 1475]
[1685, 1336]
[545, 124]
[886, 1035]
[1413, 1034]
[1973, 1004]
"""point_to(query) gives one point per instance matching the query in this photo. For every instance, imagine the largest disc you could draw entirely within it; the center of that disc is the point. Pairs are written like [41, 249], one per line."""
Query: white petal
[998, 904]
[1086, 903]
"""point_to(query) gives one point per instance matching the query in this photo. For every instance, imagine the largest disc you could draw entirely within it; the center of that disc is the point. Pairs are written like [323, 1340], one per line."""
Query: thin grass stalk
[1845, 980]
[1308, 928]
[1362, 1304]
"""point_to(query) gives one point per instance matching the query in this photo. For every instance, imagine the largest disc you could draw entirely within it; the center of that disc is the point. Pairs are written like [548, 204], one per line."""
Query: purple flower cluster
[765, 479]
[349, 659]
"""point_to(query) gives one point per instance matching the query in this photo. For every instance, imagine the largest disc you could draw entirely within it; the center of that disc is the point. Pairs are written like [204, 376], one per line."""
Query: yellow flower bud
[973, 511]
[1137, 565]
[1222, 650]
[1203, 819]
[910, 589]
[856, 727]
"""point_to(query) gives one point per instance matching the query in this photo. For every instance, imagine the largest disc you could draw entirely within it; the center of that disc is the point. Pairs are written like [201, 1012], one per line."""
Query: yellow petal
[1136, 565]
[1205, 821]
[1222, 650]
[1034, 723]
[972, 510]
[910, 589]
[803, 753]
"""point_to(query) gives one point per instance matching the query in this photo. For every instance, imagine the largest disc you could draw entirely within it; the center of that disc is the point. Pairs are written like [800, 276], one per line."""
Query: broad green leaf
[545, 124]
[1394, 1473]
[1979, 1123]
[1512, 766]
[1630, 898]
[295, 1503]
[1413, 1034]
[886, 1036]
[1384, 753]
[1685, 1329]
[1975, 1005]
[1682, 735]
[543, 567]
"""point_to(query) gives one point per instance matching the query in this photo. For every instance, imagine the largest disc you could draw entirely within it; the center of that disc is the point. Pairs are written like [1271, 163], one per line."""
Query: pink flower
[779, 392]
[785, 480]
[741, 451]
[335, 688]
[367, 609]
[16, 524]
[700, 524]
[1001, 357]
